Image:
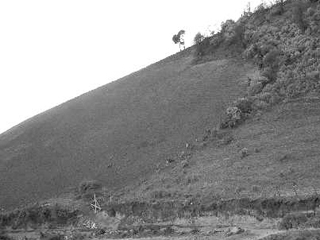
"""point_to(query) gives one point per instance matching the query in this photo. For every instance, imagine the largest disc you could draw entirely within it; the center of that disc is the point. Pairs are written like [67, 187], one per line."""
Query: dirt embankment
[163, 211]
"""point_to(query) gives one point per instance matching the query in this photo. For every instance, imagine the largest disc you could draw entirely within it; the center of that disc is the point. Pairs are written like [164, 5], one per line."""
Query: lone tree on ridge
[178, 38]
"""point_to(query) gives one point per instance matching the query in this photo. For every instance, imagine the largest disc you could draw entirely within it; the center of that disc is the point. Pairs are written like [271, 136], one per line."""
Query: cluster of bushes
[288, 54]
[232, 33]
[291, 69]
[39, 215]
[286, 49]
[237, 113]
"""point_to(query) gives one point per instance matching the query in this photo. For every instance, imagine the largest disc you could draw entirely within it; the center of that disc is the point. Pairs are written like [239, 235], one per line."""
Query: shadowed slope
[119, 132]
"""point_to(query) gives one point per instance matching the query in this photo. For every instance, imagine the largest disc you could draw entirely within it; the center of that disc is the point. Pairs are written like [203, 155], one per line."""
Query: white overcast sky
[54, 50]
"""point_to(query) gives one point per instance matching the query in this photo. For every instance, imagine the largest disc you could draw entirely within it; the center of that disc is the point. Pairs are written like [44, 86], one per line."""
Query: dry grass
[283, 148]
[117, 134]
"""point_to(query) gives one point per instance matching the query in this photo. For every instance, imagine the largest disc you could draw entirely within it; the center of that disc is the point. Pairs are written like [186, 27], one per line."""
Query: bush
[239, 37]
[203, 48]
[237, 113]
[198, 38]
[244, 105]
[216, 40]
[232, 119]
[232, 31]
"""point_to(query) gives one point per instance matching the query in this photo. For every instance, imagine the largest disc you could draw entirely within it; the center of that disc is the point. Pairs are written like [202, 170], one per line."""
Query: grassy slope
[283, 148]
[118, 133]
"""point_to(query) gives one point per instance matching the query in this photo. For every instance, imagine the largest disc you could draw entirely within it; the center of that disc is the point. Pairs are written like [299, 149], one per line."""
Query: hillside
[274, 154]
[118, 133]
[122, 133]
[220, 139]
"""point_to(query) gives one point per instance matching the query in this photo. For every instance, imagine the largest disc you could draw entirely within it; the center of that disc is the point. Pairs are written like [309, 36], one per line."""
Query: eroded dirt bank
[246, 218]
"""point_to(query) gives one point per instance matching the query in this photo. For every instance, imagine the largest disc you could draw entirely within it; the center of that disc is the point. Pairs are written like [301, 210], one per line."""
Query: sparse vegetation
[36, 216]
[212, 173]
[88, 188]
[286, 54]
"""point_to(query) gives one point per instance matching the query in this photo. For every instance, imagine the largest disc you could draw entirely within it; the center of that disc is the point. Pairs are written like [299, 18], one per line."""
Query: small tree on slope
[178, 38]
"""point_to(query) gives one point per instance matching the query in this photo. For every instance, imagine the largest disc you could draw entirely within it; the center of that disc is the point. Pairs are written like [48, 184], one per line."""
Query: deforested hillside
[220, 139]
[267, 145]
[118, 133]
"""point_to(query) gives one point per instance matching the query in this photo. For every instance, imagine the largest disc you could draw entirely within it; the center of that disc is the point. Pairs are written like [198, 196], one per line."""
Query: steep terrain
[218, 140]
[274, 154]
[118, 133]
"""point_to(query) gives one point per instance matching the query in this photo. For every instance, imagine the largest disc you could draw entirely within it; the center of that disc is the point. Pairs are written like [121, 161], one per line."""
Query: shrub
[202, 48]
[233, 32]
[232, 119]
[237, 113]
[198, 38]
[216, 40]
[244, 105]
[239, 36]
